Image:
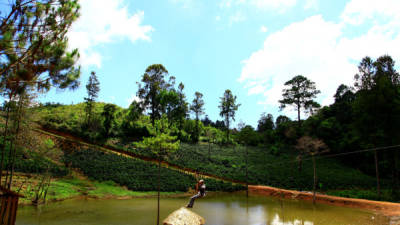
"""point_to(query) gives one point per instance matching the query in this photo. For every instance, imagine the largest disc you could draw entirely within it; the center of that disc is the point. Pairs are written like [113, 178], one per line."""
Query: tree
[33, 51]
[33, 45]
[313, 147]
[228, 108]
[266, 122]
[248, 136]
[169, 102]
[161, 145]
[109, 116]
[300, 94]
[211, 134]
[131, 125]
[376, 108]
[182, 109]
[134, 111]
[92, 88]
[281, 120]
[153, 83]
[206, 121]
[197, 109]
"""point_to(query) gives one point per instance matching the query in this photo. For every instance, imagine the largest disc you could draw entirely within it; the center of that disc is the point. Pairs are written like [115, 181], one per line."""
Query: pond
[217, 209]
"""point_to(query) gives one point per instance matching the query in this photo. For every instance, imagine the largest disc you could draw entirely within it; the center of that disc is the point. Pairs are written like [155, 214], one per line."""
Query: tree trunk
[158, 193]
[315, 179]
[300, 166]
[3, 147]
[16, 140]
[19, 115]
[227, 129]
[298, 113]
[377, 175]
[197, 128]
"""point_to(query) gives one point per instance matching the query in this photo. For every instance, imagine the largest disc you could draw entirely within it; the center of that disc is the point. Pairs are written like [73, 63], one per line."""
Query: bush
[136, 174]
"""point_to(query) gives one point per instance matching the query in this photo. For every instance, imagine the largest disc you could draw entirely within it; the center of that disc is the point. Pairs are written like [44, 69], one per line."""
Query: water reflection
[279, 221]
[216, 209]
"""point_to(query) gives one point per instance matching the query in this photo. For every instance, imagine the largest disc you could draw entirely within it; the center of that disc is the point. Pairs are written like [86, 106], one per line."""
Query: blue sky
[249, 46]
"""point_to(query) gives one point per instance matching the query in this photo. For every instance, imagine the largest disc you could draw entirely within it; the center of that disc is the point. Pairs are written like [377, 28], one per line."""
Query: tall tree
[153, 83]
[33, 50]
[377, 107]
[300, 94]
[169, 103]
[182, 110]
[228, 108]
[92, 88]
[33, 45]
[197, 109]
[109, 116]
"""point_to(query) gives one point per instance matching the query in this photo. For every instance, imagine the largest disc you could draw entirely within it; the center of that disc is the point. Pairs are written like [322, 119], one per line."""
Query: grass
[266, 167]
[72, 187]
[386, 195]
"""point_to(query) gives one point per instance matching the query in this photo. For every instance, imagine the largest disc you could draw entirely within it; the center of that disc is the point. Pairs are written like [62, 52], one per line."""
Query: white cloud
[280, 5]
[317, 49]
[217, 18]
[263, 29]
[104, 21]
[358, 11]
[311, 4]
[131, 99]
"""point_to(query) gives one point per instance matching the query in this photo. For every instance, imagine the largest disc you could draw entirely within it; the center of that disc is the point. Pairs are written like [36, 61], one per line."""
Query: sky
[251, 47]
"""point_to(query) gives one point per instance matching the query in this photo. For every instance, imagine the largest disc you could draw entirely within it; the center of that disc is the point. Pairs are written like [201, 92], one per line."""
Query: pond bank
[389, 209]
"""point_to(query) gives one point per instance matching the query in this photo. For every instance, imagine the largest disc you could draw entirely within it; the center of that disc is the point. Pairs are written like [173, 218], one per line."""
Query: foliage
[33, 45]
[248, 136]
[300, 94]
[182, 110]
[228, 108]
[265, 123]
[92, 88]
[136, 174]
[160, 145]
[109, 116]
[197, 109]
[153, 83]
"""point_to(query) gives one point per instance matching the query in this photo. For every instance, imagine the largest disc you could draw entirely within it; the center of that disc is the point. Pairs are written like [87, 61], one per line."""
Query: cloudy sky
[249, 46]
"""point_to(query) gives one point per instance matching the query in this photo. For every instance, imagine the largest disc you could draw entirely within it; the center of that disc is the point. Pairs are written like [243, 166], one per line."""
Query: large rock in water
[184, 216]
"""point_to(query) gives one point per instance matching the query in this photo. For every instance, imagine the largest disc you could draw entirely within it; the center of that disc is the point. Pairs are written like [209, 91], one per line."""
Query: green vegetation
[137, 174]
[279, 153]
[71, 187]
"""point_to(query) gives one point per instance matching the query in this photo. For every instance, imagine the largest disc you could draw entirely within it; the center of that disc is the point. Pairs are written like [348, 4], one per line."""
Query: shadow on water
[217, 209]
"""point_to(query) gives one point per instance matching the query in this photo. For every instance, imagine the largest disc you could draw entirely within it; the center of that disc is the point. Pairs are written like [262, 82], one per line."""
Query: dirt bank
[386, 208]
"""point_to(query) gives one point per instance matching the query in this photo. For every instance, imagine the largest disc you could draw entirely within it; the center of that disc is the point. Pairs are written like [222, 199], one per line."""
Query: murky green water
[217, 209]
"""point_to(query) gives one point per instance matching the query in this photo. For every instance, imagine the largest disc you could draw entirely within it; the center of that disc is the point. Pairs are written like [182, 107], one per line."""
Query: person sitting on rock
[201, 192]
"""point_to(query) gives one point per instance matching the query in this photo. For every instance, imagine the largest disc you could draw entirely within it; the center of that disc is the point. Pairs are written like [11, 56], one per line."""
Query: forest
[346, 131]
[165, 142]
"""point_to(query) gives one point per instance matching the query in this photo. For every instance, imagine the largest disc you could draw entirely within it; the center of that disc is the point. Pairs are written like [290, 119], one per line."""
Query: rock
[184, 216]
